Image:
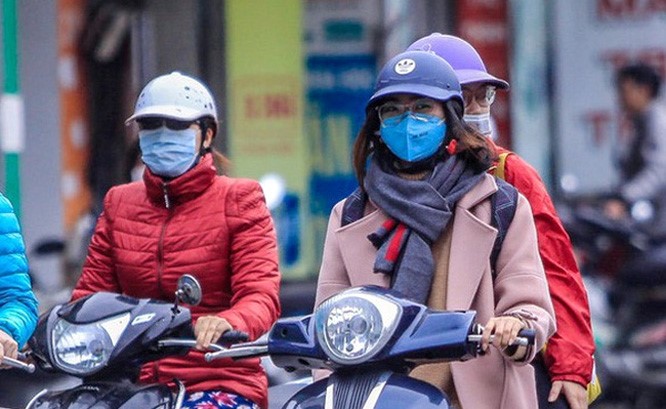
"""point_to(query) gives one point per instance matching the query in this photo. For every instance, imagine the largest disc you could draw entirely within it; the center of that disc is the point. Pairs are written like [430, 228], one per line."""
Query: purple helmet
[417, 72]
[464, 59]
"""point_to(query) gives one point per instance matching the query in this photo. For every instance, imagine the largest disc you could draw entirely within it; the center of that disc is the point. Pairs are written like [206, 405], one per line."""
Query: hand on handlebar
[504, 330]
[8, 348]
[228, 338]
[208, 329]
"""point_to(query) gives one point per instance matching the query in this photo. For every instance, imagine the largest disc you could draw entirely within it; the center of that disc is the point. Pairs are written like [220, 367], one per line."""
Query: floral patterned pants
[217, 400]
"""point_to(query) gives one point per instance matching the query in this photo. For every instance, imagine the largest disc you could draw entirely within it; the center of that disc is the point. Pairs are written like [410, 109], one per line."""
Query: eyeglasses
[484, 95]
[149, 124]
[394, 109]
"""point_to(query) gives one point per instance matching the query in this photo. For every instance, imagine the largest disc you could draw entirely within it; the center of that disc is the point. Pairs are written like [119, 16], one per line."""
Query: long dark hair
[472, 146]
[222, 163]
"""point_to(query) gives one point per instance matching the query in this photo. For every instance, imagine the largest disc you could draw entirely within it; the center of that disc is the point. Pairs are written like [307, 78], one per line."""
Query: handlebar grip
[233, 337]
[528, 334]
[526, 337]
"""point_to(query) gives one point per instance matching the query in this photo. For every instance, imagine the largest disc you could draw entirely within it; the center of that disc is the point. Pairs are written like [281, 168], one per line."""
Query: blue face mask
[168, 153]
[413, 137]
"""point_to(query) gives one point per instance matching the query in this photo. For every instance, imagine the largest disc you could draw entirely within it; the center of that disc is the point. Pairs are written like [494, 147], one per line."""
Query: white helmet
[175, 96]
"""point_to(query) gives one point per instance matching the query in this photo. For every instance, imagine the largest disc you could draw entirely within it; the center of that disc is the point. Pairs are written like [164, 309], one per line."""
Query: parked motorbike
[602, 244]
[370, 338]
[104, 338]
[621, 258]
[625, 273]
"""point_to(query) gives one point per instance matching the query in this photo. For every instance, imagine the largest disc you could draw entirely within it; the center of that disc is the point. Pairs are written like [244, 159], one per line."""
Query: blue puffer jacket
[18, 306]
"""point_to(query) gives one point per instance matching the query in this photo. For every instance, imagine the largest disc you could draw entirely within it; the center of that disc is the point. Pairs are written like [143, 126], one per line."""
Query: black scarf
[419, 211]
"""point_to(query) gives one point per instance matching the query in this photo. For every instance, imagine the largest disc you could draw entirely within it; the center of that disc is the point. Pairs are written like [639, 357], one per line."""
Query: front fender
[379, 390]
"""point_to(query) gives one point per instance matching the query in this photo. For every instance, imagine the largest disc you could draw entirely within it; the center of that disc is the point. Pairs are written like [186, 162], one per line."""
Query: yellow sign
[265, 109]
[267, 118]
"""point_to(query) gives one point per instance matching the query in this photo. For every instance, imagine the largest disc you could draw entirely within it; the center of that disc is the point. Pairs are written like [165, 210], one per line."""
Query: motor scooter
[370, 338]
[104, 338]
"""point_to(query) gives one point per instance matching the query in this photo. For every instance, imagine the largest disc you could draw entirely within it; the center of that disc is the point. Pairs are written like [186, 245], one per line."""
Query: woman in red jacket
[184, 218]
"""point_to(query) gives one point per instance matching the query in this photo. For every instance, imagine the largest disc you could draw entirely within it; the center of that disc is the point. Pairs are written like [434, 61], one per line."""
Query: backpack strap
[503, 207]
[353, 207]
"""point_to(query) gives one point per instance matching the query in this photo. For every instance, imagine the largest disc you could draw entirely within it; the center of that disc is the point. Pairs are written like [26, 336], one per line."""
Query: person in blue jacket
[18, 306]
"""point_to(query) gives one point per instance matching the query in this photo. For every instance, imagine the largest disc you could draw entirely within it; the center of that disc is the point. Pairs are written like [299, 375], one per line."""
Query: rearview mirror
[189, 290]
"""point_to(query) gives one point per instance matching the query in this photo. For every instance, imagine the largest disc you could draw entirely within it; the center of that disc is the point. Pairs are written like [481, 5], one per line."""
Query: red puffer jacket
[216, 228]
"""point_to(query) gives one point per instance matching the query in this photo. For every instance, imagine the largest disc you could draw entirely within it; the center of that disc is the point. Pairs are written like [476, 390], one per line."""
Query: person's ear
[208, 140]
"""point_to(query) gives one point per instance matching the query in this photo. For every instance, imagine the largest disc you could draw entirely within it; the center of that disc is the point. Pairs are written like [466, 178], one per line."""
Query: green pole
[11, 107]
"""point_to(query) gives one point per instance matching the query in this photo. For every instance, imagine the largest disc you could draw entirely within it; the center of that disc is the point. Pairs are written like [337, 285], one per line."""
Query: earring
[451, 147]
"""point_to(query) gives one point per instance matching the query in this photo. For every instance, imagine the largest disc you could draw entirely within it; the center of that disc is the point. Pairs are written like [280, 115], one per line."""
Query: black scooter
[104, 338]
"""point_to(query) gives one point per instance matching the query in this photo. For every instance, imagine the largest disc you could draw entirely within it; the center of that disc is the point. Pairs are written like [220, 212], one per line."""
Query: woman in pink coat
[424, 229]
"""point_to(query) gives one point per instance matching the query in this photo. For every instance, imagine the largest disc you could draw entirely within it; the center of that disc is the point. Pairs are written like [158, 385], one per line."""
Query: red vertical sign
[484, 24]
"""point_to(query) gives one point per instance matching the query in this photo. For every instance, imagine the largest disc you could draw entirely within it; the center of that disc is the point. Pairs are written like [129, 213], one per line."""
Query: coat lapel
[358, 253]
[470, 250]
[471, 246]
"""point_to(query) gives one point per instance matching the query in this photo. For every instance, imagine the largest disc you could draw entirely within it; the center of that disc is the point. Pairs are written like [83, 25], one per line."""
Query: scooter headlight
[82, 349]
[352, 327]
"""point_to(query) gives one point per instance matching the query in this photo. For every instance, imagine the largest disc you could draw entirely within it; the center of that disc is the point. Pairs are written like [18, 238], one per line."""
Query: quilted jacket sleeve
[255, 279]
[98, 274]
[18, 306]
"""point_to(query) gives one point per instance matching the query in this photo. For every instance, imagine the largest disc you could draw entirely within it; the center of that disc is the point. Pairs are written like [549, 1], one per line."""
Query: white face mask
[167, 152]
[481, 122]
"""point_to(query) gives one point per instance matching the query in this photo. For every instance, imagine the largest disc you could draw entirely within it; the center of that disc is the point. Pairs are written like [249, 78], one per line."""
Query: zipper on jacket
[160, 243]
[165, 191]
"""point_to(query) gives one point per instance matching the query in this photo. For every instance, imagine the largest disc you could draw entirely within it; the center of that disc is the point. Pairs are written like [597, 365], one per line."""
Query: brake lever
[258, 347]
[15, 363]
[229, 337]
[185, 343]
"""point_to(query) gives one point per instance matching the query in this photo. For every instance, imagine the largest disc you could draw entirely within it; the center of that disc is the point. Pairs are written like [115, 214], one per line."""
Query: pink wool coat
[492, 381]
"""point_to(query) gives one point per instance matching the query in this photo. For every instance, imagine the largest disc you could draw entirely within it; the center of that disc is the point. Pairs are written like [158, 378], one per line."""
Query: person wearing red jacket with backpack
[569, 353]
[184, 218]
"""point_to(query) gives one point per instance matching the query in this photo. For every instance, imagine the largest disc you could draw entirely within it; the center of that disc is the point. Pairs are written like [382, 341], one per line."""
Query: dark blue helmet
[417, 72]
